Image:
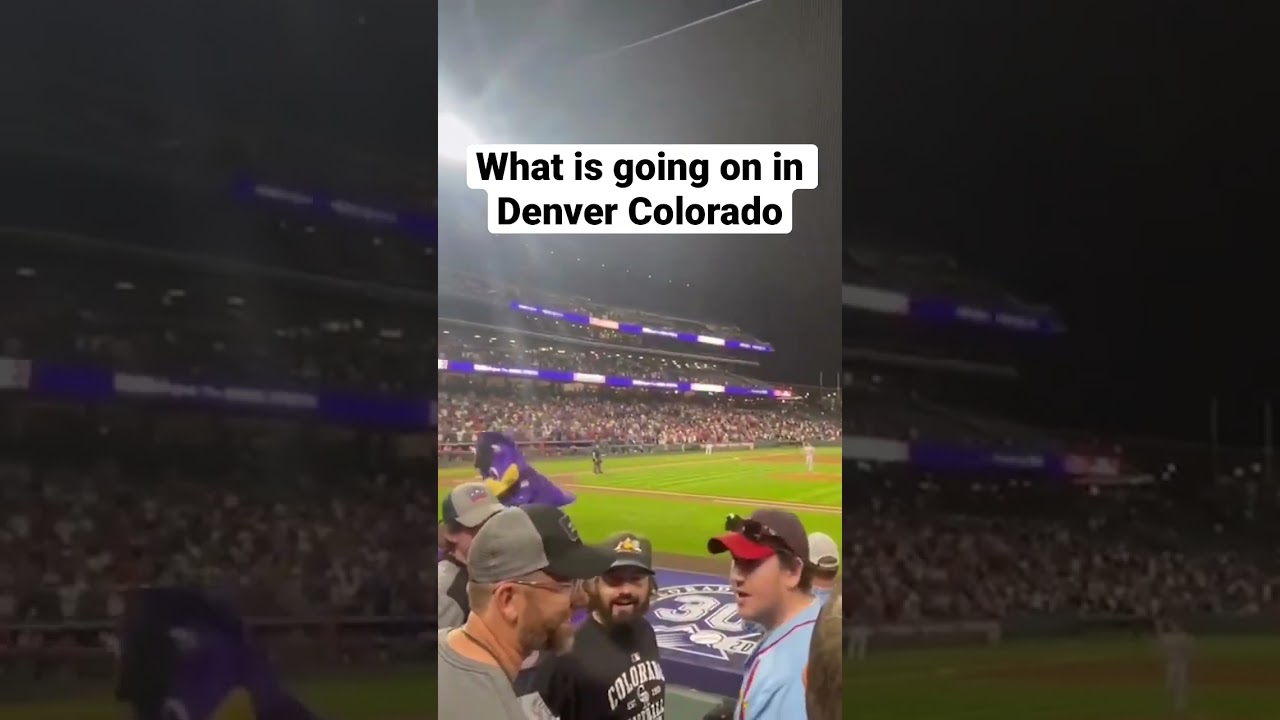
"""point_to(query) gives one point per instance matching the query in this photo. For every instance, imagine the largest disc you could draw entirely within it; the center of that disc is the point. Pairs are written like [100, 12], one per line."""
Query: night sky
[1107, 160]
[543, 72]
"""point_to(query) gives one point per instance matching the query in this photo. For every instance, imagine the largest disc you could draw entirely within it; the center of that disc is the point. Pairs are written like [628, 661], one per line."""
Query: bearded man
[612, 669]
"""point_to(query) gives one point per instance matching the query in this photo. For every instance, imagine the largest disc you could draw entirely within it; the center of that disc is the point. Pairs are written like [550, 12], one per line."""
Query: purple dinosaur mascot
[510, 476]
[185, 655]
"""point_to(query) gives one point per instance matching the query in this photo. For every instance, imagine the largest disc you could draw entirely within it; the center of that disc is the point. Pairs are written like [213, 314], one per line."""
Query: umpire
[613, 670]
[464, 511]
[597, 461]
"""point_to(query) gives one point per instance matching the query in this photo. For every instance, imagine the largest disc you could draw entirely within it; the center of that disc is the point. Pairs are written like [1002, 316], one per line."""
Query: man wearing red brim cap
[772, 580]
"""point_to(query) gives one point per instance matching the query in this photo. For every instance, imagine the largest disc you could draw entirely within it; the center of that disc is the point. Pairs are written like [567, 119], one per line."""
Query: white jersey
[1176, 647]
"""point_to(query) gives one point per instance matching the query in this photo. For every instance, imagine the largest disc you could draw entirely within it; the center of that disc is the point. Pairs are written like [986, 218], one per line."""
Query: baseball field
[679, 501]
[1099, 679]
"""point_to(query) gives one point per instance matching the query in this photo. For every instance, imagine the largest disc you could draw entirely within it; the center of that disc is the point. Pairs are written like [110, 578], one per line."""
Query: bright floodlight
[455, 136]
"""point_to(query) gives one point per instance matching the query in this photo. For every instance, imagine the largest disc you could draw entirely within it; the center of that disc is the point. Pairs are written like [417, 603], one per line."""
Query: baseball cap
[630, 550]
[469, 505]
[522, 540]
[747, 542]
[823, 551]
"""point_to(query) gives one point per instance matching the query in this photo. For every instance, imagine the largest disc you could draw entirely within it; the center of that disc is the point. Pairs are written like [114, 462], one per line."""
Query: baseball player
[859, 638]
[1176, 649]
[613, 670]
[597, 461]
[464, 511]
[809, 452]
[772, 579]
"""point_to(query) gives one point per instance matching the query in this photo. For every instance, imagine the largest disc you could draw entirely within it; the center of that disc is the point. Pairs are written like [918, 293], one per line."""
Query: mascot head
[498, 458]
[185, 656]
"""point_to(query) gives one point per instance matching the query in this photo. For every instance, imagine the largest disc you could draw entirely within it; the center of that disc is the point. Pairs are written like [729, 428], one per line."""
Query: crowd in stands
[921, 548]
[498, 317]
[93, 502]
[640, 418]
[522, 352]
[462, 286]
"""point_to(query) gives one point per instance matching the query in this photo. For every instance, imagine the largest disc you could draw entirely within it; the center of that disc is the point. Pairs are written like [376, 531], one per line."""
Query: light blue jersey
[822, 595]
[773, 685]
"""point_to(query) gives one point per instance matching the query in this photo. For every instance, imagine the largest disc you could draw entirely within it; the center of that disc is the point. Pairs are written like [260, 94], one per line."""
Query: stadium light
[455, 136]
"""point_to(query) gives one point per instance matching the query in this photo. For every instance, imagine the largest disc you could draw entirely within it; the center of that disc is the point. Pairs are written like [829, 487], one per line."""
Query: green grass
[680, 500]
[396, 694]
[1098, 680]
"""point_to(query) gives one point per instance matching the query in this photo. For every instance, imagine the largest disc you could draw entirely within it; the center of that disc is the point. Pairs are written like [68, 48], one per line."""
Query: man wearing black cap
[525, 566]
[465, 510]
[772, 580]
[613, 670]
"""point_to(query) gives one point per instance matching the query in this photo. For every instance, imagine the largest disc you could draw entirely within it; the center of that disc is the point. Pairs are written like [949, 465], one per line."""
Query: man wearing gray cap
[614, 670]
[464, 511]
[525, 564]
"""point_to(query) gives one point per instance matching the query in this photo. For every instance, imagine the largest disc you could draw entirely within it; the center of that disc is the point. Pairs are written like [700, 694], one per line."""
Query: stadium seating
[299, 521]
[638, 419]
[469, 287]
[927, 546]
[921, 547]
[138, 313]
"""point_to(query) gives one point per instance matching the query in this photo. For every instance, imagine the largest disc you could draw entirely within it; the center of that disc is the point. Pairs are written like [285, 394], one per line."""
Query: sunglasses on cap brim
[755, 531]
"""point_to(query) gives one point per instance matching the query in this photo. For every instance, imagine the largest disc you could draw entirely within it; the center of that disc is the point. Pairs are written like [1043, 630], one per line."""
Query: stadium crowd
[526, 353]
[925, 548]
[497, 298]
[93, 502]
[642, 418]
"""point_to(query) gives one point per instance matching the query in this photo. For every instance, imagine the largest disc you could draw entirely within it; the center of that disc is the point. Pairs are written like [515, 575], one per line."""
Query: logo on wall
[701, 621]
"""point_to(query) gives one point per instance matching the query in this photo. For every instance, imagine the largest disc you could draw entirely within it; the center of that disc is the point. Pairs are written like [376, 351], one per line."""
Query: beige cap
[823, 551]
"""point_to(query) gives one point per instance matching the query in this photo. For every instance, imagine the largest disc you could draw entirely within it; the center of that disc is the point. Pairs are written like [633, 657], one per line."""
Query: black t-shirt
[611, 674]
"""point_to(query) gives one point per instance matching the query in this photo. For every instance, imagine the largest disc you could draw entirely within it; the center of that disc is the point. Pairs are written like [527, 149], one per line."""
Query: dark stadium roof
[763, 71]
